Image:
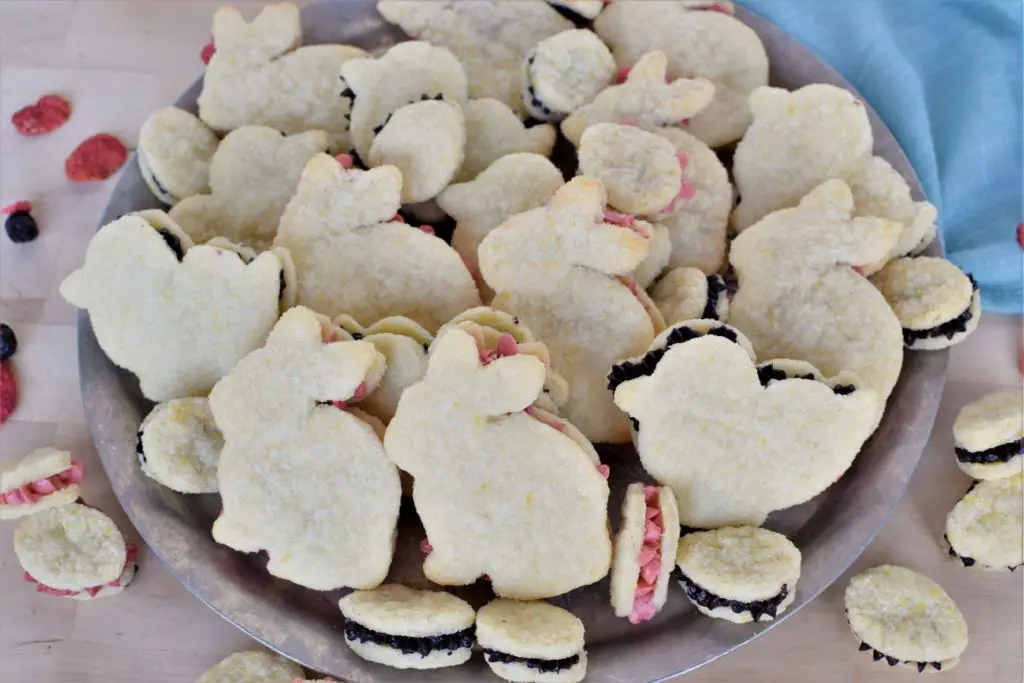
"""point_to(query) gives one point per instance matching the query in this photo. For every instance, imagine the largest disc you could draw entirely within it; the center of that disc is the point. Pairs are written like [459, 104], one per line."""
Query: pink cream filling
[346, 161]
[30, 493]
[130, 553]
[650, 560]
[359, 395]
[687, 191]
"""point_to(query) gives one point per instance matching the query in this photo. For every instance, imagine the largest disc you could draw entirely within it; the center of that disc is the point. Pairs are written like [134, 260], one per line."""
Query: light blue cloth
[945, 76]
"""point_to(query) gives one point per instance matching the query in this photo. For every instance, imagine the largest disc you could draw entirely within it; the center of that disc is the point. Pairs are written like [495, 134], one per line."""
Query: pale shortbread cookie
[905, 618]
[174, 154]
[178, 445]
[698, 221]
[581, 10]
[644, 100]
[937, 304]
[798, 140]
[352, 261]
[252, 176]
[178, 316]
[494, 131]
[258, 77]
[631, 563]
[989, 436]
[565, 72]
[740, 574]
[253, 667]
[687, 293]
[639, 170]
[711, 45]
[515, 635]
[556, 268]
[767, 448]
[408, 72]
[489, 37]
[499, 491]
[657, 258]
[50, 476]
[512, 184]
[299, 476]
[426, 141]
[984, 529]
[71, 548]
[407, 628]
[800, 298]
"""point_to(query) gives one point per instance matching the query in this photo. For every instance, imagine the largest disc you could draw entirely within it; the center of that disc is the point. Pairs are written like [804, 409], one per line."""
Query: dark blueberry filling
[378, 129]
[716, 286]
[844, 389]
[408, 645]
[357, 335]
[947, 329]
[21, 227]
[282, 283]
[768, 373]
[173, 242]
[711, 601]
[536, 102]
[578, 20]
[1001, 453]
[138, 446]
[541, 665]
[160, 186]
[893, 661]
[644, 366]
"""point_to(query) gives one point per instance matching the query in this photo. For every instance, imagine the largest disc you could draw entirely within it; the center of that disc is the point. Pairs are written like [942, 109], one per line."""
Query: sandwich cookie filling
[407, 645]
[1001, 453]
[771, 372]
[948, 329]
[543, 666]
[716, 290]
[893, 661]
[650, 558]
[710, 601]
[130, 567]
[31, 492]
[646, 364]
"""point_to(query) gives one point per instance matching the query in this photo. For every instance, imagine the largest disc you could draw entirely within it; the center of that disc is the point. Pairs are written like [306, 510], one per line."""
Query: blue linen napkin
[946, 77]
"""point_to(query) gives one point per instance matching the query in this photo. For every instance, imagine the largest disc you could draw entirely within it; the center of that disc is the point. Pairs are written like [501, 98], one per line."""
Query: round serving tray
[305, 625]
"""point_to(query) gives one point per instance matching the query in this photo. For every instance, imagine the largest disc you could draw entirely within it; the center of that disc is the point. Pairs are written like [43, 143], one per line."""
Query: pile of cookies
[317, 350]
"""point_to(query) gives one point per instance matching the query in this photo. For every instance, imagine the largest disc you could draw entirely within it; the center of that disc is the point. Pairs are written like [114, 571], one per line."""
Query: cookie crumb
[45, 116]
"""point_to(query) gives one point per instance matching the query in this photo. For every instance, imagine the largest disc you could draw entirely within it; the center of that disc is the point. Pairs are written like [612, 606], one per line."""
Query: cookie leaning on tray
[318, 342]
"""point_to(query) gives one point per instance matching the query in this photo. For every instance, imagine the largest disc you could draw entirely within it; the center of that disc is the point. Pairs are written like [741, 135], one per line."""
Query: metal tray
[831, 530]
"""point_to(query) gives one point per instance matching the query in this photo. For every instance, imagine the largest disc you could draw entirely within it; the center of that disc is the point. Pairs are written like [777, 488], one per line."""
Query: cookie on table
[905, 618]
[983, 530]
[494, 131]
[74, 551]
[645, 551]
[989, 436]
[45, 478]
[529, 642]
[406, 628]
[253, 667]
[178, 445]
[741, 574]
[174, 153]
[565, 72]
[937, 304]
[687, 293]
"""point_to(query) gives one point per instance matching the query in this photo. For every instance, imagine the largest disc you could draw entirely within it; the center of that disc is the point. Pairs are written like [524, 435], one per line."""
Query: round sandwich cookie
[74, 551]
[989, 436]
[905, 618]
[740, 574]
[45, 478]
[565, 72]
[937, 304]
[178, 445]
[645, 551]
[531, 642]
[687, 294]
[406, 628]
[175, 151]
[983, 530]
[253, 667]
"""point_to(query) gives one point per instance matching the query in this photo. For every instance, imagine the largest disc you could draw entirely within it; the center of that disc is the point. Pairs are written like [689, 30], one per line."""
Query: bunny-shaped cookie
[502, 488]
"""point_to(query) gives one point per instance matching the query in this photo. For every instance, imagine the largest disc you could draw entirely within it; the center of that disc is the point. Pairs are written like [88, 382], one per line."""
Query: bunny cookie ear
[277, 29]
[652, 68]
[766, 100]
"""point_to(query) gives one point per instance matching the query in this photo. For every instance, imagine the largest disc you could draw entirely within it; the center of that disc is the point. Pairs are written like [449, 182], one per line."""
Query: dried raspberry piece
[346, 160]
[16, 207]
[96, 158]
[45, 116]
[206, 54]
[8, 391]
[1020, 234]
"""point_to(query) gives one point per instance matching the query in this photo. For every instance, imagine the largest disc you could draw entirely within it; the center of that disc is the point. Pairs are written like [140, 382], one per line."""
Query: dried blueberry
[8, 342]
[21, 227]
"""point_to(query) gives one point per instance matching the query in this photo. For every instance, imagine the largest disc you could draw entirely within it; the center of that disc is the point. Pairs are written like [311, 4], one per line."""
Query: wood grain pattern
[117, 61]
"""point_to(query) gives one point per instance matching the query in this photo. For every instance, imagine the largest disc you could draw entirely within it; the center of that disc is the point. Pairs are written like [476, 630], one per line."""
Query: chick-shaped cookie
[409, 72]
[175, 149]
[644, 100]
[300, 476]
[260, 76]
[558, 268]
[178, 316]
[352, 261]
[797, 141]
[800, 296]
[494, 131]
[500, 492]
[706, 44]
[252, 174]
[731, 447]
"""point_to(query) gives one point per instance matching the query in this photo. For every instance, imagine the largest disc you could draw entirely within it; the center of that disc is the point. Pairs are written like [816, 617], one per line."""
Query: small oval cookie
[983, 530]
[687, 293]
[989, 436]
[253, 667]
[174, 153]
[565, 72]
[639, 170]
[740, 574]
[178, 445]
[532, 641]
[905, 618]
[45, 478]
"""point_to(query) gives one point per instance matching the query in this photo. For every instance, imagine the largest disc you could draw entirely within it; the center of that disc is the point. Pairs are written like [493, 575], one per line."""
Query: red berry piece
[45, 116]
[96, 158]
[206, 54]
[8, 391]
[8, 342]
[1020, 234]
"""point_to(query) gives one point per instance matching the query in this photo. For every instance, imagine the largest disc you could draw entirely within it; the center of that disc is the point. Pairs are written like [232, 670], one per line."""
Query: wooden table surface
[117, 61]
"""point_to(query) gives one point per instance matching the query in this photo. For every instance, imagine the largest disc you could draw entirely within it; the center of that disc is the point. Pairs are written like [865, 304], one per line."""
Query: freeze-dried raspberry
[45, 116]
[96, 158]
